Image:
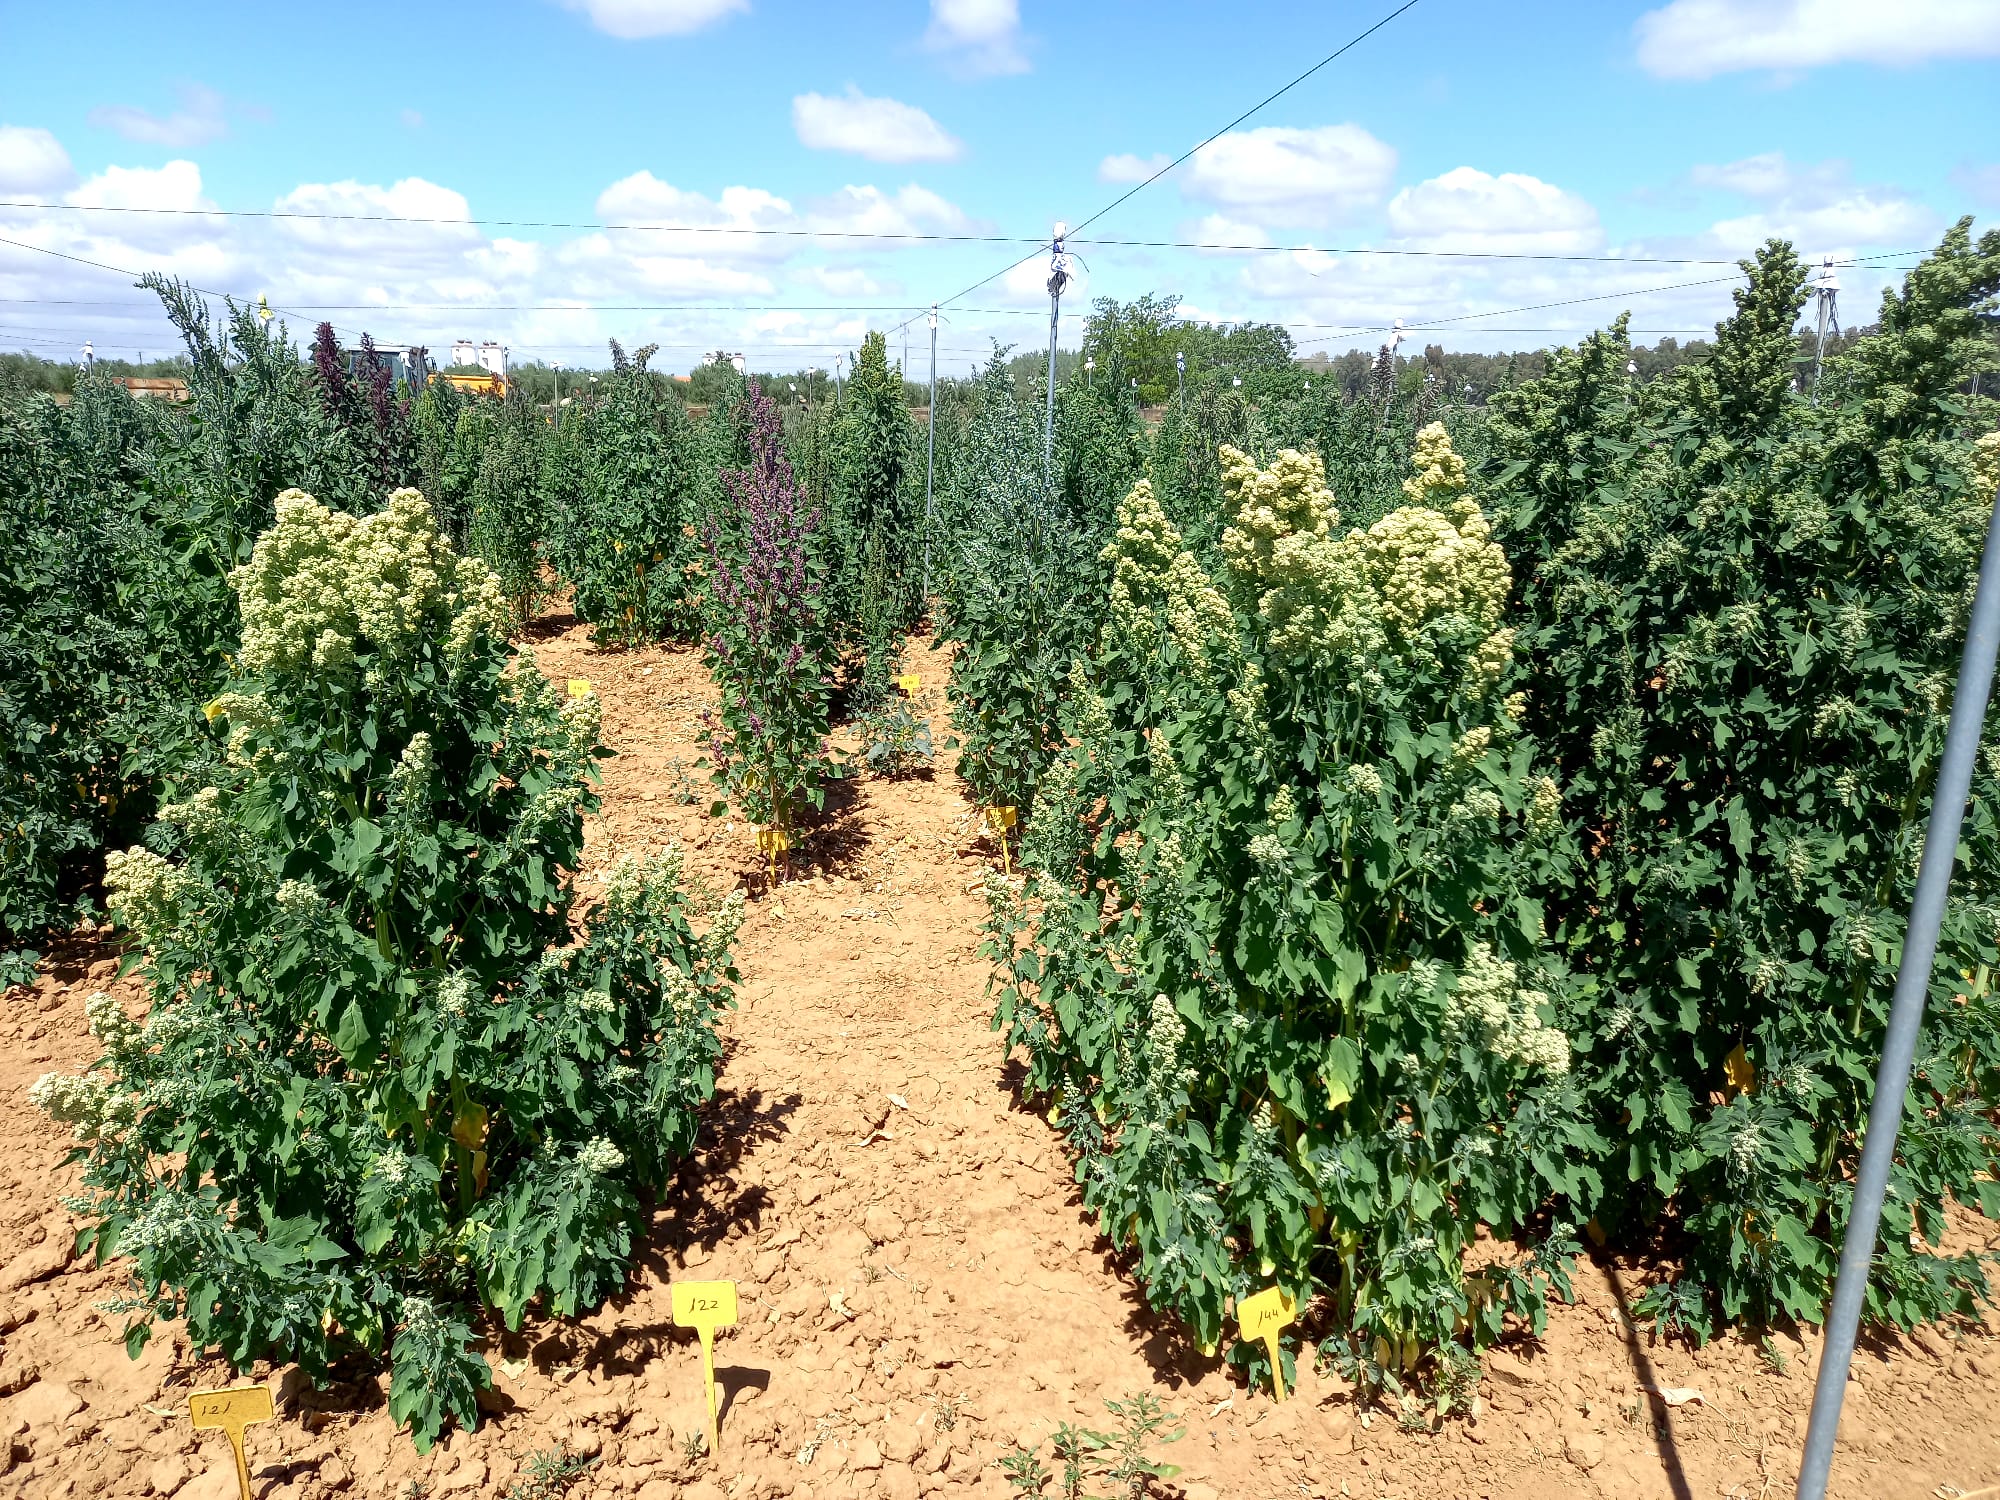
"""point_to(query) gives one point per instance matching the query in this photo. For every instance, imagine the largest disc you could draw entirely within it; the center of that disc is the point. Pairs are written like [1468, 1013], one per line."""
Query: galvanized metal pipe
[1906, 1013]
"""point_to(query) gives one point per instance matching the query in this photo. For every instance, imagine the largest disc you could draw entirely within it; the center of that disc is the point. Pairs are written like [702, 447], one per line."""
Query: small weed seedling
[895, 737]
[1120, 1456]
[550, 1474]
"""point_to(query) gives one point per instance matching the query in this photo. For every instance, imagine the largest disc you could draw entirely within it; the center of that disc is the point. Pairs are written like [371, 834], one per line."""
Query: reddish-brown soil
[919, 1288]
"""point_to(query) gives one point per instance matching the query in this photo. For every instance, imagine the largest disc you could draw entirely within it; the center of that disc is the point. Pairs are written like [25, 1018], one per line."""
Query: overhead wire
[1345, 47]
[1242, 247]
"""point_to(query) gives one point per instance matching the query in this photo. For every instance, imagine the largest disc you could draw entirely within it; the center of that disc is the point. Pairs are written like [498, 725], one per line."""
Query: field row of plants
[1431, 816]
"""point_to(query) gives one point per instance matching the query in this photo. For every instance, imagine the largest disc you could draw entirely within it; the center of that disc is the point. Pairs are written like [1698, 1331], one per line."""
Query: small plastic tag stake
[773, 842]
[999, 820]
[1263, 1317]
[706, 1306]
[910, 683]
[232, 1409]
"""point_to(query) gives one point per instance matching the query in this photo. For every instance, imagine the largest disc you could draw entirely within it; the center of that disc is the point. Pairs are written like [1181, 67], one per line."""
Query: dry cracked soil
[919, 1287]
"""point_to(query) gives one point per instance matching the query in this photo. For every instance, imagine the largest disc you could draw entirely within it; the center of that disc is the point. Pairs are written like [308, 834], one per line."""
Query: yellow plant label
[909, 682]
[232, 1409]
[1263, 1316]
[1739, 1070]
[999, 817]
[579, 687]
[706, 1306]
[773, 841]
[212, 709]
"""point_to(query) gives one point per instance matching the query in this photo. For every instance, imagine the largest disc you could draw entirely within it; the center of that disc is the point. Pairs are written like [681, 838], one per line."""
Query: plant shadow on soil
[834, 839]
[546, 627]
[1165, 1343]
[1642, 1366]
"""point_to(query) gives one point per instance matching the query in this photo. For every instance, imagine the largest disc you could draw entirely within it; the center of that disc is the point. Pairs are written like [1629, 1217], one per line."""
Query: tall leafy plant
[768, 646]
[628, 538]
[1744, 612]
[382, 1083]
[1278, 964]
[872, 538]
[508, 529]
[1022, 598]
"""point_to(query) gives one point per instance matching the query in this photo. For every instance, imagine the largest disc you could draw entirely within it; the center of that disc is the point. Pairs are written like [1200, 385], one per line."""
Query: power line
[1218, 246]
[750, 230]
[1271, 98]
[98, 265]
[1267, 99]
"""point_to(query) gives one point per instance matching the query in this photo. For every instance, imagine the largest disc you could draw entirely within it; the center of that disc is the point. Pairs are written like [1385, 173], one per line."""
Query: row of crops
[1430, 817]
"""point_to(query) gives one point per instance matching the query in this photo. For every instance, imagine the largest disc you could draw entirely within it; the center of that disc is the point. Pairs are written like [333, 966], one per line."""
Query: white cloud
[32, 161]
[1126, 167]
[1701, 38]
[634, 19]
[869, 210]
[879, 129]
[1467, 209]
[1220, 229]
[840, 282]
[175, 185]
[199, 120]
[1281, 175]
[978, 36]
[1818, 207]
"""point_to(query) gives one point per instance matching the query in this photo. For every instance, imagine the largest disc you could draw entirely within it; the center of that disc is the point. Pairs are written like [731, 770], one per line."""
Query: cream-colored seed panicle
[1153, 571]
[1326, 594]
[321, 583]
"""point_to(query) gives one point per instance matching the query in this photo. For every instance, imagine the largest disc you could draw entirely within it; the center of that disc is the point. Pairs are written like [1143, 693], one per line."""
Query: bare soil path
[919, 1287]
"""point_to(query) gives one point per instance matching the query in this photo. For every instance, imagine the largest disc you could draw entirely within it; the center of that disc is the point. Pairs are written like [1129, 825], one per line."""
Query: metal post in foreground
[1058, 279]
[1906, 1013]
[930, 458]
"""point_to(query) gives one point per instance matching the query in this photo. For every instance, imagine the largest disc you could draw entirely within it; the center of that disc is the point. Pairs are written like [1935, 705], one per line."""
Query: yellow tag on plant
[773, 841]
[212, 709]
[1000, 819]
[579, 687]
[706, 1306]
[1262, 1317]
[909, 682]
[232, 1409]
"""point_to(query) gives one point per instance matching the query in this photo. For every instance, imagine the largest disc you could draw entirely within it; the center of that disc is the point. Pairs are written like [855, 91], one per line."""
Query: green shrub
[895, 737]
[1022, 597]
[872, 536]
[1744, 612]
[124, 519]
[1277, 963]
[508, 524]
[381, 1083]
[628, 535]
[767, 645]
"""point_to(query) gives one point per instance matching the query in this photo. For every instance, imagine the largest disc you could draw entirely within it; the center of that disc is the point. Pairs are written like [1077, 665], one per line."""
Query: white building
[464, 352]
[493, 358]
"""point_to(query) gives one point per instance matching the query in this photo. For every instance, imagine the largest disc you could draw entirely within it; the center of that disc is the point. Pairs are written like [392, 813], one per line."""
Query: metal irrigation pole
[930, 458]
[1058, 279]
[1906, 1013]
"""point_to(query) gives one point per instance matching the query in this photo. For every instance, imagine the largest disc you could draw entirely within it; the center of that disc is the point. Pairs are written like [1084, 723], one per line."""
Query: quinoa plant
[873, 535]
[1744, 611]
[626, 527]
[383, 1083]
[768, 647]
[1277, 964]
[1022, 595]
[508, 526]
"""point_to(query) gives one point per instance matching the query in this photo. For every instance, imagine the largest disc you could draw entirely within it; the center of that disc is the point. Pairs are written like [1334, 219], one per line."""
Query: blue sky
[1686, 129]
